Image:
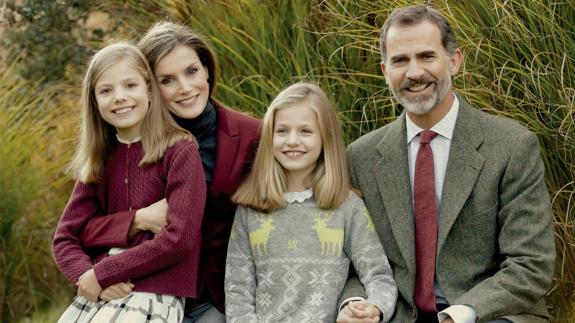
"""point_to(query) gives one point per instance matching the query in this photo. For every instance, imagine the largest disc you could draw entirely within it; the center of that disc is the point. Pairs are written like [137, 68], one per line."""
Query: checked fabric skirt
[136, 307]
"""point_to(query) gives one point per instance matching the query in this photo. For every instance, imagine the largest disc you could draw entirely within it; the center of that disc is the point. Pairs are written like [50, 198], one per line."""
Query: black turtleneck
[204, 127]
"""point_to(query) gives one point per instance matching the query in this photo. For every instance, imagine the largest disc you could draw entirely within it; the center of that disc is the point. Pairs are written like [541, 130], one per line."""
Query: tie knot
[426, 136]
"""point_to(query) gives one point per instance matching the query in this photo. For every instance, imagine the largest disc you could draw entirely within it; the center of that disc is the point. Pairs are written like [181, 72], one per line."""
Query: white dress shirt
[440, 146]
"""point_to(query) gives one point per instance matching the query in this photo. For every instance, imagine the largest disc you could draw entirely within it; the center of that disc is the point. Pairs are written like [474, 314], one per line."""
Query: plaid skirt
[136, 307]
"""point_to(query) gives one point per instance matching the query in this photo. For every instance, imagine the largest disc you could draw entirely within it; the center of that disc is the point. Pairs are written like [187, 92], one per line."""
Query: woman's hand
[116, 291]
[88, 286]
[151, 218]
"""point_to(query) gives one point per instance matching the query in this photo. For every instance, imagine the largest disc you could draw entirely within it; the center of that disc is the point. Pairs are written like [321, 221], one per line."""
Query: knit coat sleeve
[364, 248]
[66, 247]
[240, 281]
[186, 195]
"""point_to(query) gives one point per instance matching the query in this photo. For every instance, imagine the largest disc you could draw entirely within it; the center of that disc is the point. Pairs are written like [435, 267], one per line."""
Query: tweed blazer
[495, 247]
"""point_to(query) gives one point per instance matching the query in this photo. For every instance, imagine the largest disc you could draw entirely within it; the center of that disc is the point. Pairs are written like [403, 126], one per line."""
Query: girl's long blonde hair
[97, 137]
[263, 189]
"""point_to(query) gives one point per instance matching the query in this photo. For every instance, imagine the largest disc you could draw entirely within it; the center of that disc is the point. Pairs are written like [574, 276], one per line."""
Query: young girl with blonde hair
[298, 224]
[130, 153]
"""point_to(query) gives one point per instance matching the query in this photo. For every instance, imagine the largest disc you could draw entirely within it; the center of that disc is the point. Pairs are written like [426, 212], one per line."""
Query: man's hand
[88, 286]
[116, 291]
[151, 218]
[359, 311]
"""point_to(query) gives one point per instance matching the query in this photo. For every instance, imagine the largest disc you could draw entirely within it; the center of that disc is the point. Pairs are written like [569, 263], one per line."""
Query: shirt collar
[444, 127]
[127, 142]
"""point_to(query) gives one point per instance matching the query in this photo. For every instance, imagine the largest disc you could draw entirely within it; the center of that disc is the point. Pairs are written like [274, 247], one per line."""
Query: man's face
[417, 68]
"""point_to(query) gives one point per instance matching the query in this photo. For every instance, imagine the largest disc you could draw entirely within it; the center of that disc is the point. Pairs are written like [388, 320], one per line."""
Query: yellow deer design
[328, 237]
[259, 237]
[234, 232]
[370, 225]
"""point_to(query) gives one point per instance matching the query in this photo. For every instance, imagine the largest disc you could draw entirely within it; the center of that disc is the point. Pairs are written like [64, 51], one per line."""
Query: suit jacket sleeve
[525, 240]
[353, 286]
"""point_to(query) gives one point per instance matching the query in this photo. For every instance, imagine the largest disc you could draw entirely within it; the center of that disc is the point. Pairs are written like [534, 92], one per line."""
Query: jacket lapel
[226, 148]
[392, 176]
[463, 168]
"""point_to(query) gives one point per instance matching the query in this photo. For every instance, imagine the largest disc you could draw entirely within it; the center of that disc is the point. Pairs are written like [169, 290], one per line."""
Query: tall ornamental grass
[29, 202]
[519, 63]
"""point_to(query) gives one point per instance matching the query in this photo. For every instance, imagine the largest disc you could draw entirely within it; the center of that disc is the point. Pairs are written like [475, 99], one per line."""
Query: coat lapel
[392, 176]
[463, 168]
[228, 136]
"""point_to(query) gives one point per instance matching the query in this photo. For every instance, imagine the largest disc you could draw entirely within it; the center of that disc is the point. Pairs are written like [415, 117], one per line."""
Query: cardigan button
[126, 180]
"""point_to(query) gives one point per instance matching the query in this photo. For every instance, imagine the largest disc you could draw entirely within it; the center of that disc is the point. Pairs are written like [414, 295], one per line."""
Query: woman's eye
[165, 81]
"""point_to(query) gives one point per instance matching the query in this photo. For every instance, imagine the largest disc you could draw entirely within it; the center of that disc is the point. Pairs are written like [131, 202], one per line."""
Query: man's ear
[455, 61]
[383, 70]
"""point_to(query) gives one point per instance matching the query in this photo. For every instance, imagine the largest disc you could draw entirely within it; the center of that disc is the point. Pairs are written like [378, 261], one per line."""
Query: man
[462, 210]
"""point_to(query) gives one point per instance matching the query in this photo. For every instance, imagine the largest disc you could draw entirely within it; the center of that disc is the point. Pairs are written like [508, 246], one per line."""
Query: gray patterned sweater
[291, 265]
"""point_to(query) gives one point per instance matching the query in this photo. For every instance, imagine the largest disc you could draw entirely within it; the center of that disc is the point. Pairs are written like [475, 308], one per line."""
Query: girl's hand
[151, 218]
[88, 286]
[359, 311]
[116, 291]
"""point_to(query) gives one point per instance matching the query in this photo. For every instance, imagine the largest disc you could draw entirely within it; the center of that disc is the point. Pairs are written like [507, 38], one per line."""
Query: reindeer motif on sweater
[259, 237]
[328, 237]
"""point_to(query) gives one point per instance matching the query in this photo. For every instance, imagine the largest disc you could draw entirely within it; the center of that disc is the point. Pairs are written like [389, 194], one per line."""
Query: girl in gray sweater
[299, 224]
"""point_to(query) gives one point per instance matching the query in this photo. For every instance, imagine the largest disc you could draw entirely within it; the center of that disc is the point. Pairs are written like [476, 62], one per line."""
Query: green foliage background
[519, 63]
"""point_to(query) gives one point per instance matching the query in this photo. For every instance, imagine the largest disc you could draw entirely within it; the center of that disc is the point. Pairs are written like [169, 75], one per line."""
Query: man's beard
[425, 103]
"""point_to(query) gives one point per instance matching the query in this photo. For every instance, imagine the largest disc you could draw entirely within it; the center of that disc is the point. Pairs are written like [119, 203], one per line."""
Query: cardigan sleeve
[240, 281]
[69, 255]
[186, 195]
[364, 248]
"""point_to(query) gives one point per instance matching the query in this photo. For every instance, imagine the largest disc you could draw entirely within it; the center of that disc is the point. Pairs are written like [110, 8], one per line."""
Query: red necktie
[425, 224]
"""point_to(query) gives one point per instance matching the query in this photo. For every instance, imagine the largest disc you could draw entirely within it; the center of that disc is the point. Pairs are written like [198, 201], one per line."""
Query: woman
[185, 68]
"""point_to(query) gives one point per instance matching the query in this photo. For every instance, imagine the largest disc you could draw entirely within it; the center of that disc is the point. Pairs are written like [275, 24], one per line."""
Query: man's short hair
[415, 14]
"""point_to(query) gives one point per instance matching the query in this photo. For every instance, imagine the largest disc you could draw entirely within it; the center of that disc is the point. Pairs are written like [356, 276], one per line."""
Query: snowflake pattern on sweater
[292, 264]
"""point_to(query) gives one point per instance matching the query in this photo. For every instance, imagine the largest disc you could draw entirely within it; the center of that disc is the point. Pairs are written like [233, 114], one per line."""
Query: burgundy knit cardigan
[166, 263]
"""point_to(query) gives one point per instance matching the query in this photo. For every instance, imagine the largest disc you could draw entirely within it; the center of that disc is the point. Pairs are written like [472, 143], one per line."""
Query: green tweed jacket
[495, 248]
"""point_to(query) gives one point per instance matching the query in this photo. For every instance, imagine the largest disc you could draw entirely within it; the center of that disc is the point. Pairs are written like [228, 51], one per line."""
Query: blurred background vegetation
[519, 62]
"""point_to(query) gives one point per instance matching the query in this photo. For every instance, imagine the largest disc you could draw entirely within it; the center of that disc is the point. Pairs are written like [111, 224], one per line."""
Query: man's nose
[414, 70]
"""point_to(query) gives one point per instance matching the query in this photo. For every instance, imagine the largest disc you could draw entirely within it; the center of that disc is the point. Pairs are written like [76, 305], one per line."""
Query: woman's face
[183, 82]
